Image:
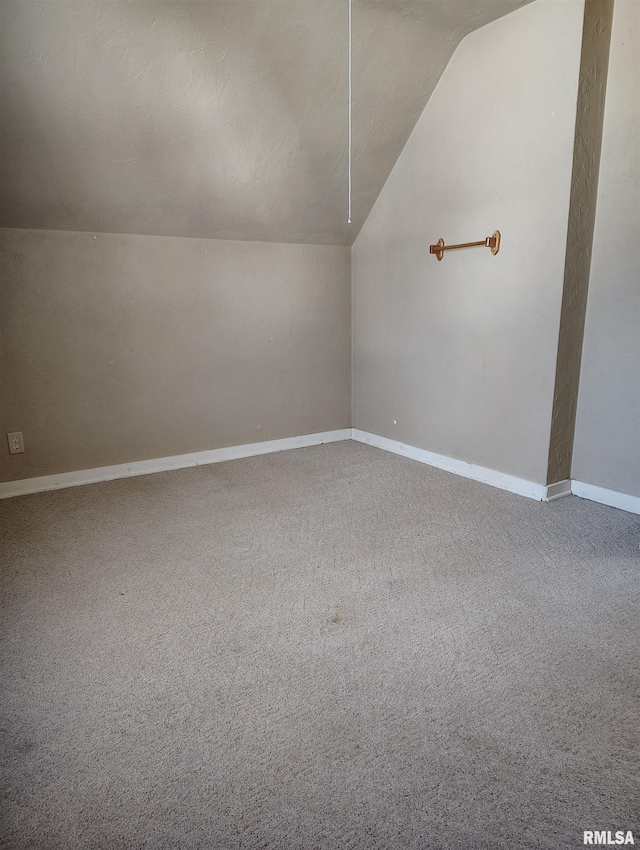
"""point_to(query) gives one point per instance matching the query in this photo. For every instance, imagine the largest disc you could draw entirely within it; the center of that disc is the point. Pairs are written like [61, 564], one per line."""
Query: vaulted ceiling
[214, 119]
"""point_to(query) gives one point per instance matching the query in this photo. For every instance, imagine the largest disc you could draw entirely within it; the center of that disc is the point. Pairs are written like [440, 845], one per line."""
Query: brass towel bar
[492, 242]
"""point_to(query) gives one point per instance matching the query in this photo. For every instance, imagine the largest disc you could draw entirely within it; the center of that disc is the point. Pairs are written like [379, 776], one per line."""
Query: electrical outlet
[16, 443]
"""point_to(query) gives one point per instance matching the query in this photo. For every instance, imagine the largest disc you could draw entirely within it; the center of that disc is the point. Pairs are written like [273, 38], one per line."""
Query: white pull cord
[350, 134]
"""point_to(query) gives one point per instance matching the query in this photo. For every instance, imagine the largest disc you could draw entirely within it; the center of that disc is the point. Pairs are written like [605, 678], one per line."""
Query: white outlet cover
[16, 442]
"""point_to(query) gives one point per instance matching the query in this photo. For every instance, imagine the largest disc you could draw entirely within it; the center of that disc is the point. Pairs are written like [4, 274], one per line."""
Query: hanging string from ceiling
[350, 122]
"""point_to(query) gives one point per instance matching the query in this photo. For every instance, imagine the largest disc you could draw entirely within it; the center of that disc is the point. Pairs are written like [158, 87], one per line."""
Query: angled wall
[607, 440]
[216, 119]
[458, 357]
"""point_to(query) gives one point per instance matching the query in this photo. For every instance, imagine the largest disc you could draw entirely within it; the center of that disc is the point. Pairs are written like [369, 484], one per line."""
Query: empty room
[319, 424]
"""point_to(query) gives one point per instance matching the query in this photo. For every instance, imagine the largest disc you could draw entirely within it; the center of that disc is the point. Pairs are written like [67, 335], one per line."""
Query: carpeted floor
[332, 647]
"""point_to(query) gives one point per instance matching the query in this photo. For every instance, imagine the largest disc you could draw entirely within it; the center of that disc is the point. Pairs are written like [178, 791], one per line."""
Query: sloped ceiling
[214, 119]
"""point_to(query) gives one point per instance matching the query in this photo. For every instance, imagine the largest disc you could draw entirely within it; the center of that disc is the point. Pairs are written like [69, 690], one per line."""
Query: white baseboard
[163, 464]
[521, 486]
[606, 497]
[460, 467]
[558, 490]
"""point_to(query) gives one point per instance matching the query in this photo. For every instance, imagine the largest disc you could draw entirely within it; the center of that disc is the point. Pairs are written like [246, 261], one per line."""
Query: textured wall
[458, 357]
[117, 348]
[607, 441]
[213, 119]
[594, 63]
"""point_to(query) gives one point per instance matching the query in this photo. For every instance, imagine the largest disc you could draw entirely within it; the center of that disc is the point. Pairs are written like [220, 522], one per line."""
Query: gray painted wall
[607, 441]
[458, 357]
[213, 119]
[115, 348]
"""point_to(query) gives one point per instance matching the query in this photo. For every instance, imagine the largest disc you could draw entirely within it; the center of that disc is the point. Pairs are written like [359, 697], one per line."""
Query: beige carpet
[327, 648]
